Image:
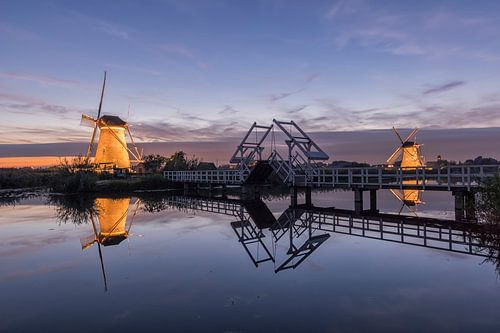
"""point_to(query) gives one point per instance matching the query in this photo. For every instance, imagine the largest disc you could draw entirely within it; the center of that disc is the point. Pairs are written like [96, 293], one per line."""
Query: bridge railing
[205, 176]
[446, 176]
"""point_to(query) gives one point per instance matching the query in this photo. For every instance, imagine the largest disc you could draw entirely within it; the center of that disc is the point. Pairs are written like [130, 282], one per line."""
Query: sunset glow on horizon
[196, 71]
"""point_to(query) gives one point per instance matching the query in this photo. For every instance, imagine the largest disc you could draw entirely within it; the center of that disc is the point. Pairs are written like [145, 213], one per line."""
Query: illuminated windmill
[409, 150]
[112, 151]
[411, 158]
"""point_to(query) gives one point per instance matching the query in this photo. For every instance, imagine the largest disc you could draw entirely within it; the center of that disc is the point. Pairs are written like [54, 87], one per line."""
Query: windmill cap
[112, 121]
[409, 143]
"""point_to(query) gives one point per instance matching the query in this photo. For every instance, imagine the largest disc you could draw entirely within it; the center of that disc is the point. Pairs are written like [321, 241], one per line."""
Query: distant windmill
[112, 150]
[409, 150]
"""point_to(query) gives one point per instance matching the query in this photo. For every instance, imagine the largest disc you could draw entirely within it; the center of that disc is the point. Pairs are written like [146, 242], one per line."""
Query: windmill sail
[394, 155]
[87, 121]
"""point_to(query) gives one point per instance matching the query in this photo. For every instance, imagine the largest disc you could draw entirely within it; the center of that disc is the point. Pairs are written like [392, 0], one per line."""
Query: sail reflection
[409, 198]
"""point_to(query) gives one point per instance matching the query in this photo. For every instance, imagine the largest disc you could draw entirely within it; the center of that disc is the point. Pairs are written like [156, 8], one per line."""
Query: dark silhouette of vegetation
[488, 201]
[482, 160]
[488, 212]
[154, 163]
[179, 162]
[77, 209]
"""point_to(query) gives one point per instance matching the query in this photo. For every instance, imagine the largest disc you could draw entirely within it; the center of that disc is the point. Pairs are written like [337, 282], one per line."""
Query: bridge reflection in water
[305, 228]
[299, 230]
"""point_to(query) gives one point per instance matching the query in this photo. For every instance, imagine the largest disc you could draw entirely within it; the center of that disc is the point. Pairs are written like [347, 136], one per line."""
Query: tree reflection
[77, 209]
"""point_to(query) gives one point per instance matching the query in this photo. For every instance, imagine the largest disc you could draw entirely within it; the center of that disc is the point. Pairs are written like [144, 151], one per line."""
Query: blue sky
[205, 70]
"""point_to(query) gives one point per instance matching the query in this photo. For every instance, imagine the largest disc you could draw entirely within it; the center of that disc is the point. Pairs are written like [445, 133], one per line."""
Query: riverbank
[17, 181]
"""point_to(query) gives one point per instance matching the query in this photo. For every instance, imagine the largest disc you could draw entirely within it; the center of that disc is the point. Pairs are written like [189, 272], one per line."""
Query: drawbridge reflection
[302, 230]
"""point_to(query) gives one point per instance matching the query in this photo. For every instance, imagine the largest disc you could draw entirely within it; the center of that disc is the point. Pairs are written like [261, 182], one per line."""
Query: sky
[192, 71]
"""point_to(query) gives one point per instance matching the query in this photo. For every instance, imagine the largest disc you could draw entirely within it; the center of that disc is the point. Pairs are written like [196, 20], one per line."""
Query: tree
[178, 162]
[154, 162]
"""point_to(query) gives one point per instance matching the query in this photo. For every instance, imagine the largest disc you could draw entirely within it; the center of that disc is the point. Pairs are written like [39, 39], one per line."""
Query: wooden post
[459, 205]
[470, 206]
[358, 200]
[373, 201]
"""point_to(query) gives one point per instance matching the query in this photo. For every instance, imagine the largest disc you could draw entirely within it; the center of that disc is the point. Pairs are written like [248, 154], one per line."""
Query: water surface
[175, 268]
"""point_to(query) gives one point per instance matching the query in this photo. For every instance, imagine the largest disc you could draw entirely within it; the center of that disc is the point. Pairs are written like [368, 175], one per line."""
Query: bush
[488, 204]
[76, 183]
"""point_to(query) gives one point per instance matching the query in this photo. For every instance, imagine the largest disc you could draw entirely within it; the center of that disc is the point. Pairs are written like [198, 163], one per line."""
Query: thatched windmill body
[411, 158]
[112, 150]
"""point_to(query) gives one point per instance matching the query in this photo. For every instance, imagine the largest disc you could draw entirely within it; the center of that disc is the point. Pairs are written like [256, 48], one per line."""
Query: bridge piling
[373, 201]
[465, 205]
[470, 206]
[358, 200]
[459, 205]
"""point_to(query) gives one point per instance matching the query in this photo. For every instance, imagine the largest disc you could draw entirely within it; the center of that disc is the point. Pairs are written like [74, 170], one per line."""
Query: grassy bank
[64, 181]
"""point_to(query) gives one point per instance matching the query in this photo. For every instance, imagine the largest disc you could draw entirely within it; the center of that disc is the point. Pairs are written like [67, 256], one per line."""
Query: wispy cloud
[444, 87]
[280, 96]
[228, 109]
[342, 7]
[111, 29]
[297, 109]
[182, 51]
[41, 79]
[164, 131]
[432, 35]
[17, 33]
[312, 77]
[28, 105]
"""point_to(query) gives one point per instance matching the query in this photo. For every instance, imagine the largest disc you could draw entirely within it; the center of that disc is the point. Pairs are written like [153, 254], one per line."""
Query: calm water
[164, 266]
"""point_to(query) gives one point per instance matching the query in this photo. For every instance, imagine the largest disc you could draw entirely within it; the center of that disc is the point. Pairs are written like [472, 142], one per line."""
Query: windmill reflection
[109, 226]
[410, 199]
